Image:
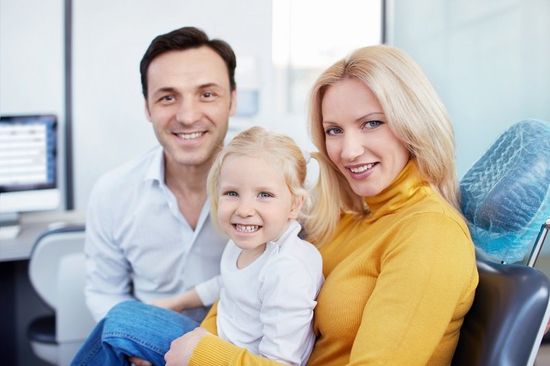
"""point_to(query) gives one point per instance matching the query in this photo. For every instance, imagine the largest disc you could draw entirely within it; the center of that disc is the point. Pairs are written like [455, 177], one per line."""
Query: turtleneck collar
[399, 193]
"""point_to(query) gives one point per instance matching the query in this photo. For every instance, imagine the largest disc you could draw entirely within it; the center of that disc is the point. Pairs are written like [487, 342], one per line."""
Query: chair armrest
[73, 319]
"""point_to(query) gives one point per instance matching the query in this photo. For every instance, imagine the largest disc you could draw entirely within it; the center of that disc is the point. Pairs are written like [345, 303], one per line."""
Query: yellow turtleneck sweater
[398, 284]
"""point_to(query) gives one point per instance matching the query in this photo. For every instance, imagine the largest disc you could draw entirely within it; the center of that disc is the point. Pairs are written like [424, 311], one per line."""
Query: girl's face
[255, 204]
[358, 139]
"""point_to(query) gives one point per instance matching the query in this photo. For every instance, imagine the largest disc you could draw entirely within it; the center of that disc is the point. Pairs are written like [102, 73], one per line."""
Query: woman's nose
[352, 147]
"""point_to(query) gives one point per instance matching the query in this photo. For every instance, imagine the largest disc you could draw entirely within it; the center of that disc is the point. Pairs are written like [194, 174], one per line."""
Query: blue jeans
[133, 328]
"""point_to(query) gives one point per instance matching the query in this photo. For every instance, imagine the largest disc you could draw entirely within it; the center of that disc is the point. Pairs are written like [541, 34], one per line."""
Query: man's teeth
[362, 168]
[190, 136]
[247, 228]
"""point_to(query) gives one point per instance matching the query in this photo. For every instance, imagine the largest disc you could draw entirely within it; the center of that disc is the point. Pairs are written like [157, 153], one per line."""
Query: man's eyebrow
[165, 89]
[209, 85]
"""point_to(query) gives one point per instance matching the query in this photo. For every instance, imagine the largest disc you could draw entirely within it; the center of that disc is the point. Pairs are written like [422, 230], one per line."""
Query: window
[310, 35]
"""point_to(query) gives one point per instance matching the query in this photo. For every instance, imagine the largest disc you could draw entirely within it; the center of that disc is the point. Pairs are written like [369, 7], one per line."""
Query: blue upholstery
[506, 195]
[505, 200]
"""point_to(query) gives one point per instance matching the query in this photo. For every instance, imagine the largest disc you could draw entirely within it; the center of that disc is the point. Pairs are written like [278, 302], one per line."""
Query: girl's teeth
[246, 228]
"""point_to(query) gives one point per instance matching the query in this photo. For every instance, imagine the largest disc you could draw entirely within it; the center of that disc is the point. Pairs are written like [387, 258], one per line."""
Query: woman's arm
[199, 348]
[427, 274]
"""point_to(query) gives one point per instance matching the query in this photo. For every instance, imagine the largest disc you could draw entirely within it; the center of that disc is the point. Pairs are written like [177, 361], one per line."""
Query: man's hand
[182, 348]
[171, 303]
[139, 362]
[187, 300]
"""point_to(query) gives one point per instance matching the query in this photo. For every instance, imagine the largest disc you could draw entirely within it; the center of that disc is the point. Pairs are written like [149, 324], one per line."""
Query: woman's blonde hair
[277, 149]
[413, 112]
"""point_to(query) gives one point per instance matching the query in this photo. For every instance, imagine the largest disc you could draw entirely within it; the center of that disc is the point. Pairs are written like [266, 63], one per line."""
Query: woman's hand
[182, 348]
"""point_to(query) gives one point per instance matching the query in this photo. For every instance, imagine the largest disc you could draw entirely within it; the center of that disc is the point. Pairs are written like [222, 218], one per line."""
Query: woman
[397, 256]
[398, 260]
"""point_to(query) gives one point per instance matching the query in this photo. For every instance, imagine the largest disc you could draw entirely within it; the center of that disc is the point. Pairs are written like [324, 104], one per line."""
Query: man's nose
[189, 111]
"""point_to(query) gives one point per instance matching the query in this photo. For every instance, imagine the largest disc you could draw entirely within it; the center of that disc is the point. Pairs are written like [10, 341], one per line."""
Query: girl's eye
[333, 131]
[231, 194]
[265, 195]
[369, 125]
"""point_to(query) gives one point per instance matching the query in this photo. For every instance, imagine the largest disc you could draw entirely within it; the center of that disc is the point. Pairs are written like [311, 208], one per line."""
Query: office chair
[506, 201]
[57, 273]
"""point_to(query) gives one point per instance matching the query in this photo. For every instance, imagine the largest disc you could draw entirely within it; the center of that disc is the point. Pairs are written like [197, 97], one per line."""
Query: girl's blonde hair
[413, 112]
[277, 149]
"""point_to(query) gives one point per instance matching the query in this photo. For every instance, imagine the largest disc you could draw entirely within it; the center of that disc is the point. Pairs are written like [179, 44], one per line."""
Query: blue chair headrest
[505, 195]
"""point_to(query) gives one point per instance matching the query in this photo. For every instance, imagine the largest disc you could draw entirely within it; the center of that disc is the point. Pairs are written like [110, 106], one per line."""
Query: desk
[19, 303]
[32, 225]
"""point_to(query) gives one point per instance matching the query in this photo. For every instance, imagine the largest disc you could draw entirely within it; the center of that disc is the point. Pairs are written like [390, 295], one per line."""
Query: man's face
[189, 102]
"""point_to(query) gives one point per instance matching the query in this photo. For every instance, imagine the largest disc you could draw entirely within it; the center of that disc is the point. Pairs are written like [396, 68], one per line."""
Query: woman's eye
[265, 195]
[372, 124]
[333, 131]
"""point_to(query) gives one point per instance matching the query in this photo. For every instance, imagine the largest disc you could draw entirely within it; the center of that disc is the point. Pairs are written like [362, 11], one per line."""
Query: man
[148, 231]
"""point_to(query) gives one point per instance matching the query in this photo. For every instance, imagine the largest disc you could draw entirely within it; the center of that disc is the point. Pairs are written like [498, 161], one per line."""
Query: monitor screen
[28, 163]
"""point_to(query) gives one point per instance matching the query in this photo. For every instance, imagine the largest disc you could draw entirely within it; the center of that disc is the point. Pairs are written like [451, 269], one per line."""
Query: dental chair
[57, 273]
[506, 202]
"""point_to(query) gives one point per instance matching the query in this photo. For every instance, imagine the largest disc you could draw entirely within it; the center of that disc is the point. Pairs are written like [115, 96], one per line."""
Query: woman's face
[358, 139]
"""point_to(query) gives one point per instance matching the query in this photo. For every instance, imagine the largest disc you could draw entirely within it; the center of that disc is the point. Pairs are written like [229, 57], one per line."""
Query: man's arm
[204, 294]
[108, 279]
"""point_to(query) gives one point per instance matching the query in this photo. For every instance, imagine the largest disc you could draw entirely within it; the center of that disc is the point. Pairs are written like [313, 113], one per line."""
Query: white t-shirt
[267, 307]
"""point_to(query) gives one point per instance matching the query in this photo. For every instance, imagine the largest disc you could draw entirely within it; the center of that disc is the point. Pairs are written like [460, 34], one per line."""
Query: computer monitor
[28, 167]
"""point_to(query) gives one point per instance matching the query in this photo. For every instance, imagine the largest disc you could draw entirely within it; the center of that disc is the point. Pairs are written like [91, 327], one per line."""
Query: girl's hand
[182, 348]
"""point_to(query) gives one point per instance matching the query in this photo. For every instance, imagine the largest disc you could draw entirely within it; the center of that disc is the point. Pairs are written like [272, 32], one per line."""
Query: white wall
[31, 62]
[110, 38]
[488, 59]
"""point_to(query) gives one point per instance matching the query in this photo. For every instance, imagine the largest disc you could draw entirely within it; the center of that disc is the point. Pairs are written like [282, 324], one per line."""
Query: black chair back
[507, 320]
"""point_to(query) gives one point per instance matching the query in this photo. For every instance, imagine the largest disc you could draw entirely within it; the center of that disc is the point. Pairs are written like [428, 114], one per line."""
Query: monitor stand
[9, 225]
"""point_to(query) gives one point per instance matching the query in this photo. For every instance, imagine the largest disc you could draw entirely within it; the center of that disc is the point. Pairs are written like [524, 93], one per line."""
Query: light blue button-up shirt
[138, 244]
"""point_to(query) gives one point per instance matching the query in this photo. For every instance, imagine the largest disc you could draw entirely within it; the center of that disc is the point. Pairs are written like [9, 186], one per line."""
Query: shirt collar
[155, 170]
[293, 229]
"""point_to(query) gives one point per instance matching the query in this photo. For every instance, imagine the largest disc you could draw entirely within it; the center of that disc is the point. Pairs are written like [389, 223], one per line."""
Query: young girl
[269, 276]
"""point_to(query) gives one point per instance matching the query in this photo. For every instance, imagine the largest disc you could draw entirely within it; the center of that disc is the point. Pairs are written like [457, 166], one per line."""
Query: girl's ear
[297, 203]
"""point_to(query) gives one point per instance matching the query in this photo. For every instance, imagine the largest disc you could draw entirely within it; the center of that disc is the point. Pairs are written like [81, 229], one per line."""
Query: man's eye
[208, 95]
[265, 195]
[166, 99]
[333, 131]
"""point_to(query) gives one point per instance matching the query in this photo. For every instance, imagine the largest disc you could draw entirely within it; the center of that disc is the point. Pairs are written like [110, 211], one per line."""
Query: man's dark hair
[183, 39]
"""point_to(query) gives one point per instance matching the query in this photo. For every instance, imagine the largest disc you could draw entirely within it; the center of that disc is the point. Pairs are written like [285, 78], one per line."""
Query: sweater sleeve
[213, 350]
[424, 275]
